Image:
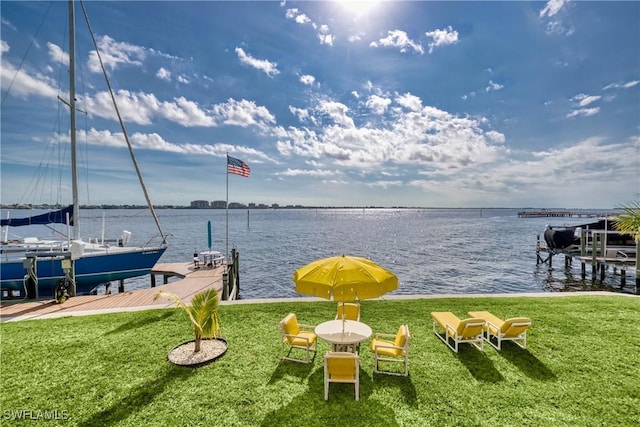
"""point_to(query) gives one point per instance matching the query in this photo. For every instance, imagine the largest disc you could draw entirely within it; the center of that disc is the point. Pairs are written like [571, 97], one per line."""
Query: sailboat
[69, 266]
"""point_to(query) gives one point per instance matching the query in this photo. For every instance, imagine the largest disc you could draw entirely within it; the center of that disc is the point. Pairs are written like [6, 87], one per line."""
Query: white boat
[36, 268]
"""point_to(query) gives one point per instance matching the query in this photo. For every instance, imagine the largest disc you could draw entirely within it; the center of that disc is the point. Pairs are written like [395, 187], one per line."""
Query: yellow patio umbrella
[344, 278]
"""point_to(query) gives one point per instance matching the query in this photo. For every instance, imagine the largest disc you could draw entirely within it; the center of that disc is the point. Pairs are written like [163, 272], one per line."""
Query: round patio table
[343, 335]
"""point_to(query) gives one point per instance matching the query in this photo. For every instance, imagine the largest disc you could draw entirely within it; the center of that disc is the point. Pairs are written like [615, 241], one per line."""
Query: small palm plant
[629, 221]
[203, 313]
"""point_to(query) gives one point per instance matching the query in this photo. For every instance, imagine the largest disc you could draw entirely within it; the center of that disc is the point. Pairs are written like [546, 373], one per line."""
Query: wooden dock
[192, 281]
[593, 250]
[544, 213]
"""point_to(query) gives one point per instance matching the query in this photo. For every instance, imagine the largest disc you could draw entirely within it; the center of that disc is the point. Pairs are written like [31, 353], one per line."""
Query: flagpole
[227, 205]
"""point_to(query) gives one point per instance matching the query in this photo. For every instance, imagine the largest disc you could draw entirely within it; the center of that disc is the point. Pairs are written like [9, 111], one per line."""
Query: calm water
[432, 251]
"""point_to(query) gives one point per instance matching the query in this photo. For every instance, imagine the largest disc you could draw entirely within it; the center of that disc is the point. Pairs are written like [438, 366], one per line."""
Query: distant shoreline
[235, 207]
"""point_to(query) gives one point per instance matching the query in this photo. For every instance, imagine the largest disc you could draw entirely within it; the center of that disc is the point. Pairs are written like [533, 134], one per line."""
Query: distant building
[236, 205]
[200, 204]
[219, 204]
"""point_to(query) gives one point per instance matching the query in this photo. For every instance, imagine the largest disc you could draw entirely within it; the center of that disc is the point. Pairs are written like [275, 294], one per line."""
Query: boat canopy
[54, 217]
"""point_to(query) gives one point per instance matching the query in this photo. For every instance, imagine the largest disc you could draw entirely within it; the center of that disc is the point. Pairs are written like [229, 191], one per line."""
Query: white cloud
[410, 102]
[164, 74]
[552, 8]
[620, 85]
[307, 79]
[8, 24]
[22, 84]
[581, 101]
[139, 107]
[583, 112]
[136, 107]
[142, 108]
[301, 113]
[384, 184]
[377, 104]
[104, 138]
[493, 86]
[447, 36]
[337, 112]
[267, 67]
[551, 14]
[155, 142]
[558, 27]
[587, 160]
[496, 136]
[324, 35]
[57, 54]
[325, 39]
[322, 30]
[243, 113]
[409, 135]
[185, 112]
[399, 39]
[182, 79]
[114, 54]
[307, 172]
[584, 100]
[517, 182]
[298, 17]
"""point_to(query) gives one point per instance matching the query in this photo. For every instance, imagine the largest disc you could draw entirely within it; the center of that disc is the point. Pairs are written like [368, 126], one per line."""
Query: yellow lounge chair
[456, 330]
[392, 351]
[293, 337]
[350, 310]
[513, 329]
[341, 367]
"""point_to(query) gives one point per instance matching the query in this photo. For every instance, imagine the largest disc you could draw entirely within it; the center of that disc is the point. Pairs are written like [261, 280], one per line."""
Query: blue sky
[437, 104]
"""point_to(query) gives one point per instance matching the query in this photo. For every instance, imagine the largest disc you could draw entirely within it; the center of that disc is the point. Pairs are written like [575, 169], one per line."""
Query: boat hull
[90, 270]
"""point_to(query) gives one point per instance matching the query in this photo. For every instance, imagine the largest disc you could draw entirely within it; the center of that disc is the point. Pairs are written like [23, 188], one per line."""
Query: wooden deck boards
[193, 281]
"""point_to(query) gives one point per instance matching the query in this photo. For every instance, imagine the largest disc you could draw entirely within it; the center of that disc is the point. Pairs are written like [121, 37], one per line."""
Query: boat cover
[54, 217]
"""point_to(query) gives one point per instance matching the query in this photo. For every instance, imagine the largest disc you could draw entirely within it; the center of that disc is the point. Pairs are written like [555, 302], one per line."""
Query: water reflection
[569, 279]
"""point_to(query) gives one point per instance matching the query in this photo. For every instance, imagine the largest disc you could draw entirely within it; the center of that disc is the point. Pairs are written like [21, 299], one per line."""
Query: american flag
[237, 167]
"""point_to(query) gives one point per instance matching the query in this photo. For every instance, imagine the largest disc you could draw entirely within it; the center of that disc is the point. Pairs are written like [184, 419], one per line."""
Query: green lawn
[582, 368]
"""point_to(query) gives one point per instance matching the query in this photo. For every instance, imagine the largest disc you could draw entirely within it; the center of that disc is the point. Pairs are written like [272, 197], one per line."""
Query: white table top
[354, 332]
[211, 253]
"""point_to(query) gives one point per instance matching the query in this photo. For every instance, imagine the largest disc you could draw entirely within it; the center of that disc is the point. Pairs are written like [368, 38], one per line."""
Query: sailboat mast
[124, 130]
[72, 108]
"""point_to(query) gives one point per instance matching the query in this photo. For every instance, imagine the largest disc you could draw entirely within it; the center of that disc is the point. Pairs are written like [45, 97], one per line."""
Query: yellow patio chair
[456, 330]
[351, 311]
[341, 367]
[294, 337]
[396, 350]
[512, 329]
